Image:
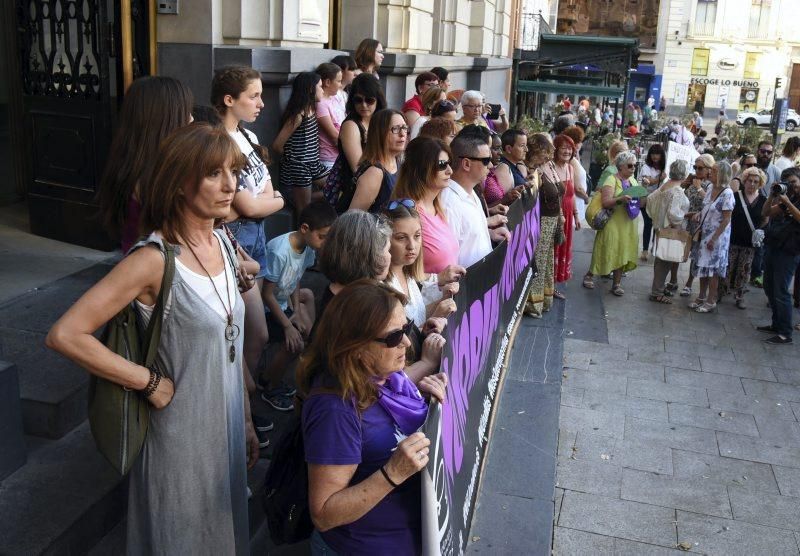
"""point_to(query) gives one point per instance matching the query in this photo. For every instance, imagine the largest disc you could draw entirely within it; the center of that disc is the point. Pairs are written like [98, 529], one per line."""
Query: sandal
[686, 291]
[588, 282]
[660, 298]
[558, 295]
[699, 302]
[617, 290]
[671, 287]
[706, 308]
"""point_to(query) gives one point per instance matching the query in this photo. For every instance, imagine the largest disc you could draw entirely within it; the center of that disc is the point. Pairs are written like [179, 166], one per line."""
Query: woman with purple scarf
[361, 420]
[616, 245]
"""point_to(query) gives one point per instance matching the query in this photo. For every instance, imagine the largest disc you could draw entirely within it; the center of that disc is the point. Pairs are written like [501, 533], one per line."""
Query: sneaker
[263, 441]
[766, 328]
[262, 424]
[758, 282]
[278, 400]
[263, 385]
[778, 340]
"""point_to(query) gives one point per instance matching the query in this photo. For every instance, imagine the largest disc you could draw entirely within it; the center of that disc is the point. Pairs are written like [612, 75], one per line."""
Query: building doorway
[794, 88]
[696, 98]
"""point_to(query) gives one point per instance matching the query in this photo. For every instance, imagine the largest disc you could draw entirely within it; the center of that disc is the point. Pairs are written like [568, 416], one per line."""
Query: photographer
[782, 252]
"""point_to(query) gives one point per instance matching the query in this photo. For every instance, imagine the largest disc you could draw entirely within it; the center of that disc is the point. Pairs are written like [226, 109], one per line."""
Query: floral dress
[713, 262]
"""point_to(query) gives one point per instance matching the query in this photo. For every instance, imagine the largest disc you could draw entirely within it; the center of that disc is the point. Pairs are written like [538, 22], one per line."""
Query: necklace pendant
[232, 354]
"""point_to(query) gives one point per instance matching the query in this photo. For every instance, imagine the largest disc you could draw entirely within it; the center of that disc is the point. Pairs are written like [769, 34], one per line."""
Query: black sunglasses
[696, 167]
[408, 203]
[765, 151]
[630, 166]
[485, 160]
[361, 99]
[393, 339]
[442, 164]
[748, 165]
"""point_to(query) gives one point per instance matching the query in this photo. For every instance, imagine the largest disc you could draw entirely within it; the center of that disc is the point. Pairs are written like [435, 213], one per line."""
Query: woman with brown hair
[425, 174]
[430, 99]
[542, 173]
[361, 420]
[154, 106]
[201, 417]
[377, 171]
[440, 127]
[369, 56]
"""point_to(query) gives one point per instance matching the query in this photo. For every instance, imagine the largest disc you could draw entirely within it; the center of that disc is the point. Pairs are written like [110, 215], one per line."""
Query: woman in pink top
[424, 174]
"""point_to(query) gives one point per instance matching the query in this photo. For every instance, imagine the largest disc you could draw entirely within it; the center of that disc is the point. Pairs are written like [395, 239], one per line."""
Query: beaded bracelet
[152, 385]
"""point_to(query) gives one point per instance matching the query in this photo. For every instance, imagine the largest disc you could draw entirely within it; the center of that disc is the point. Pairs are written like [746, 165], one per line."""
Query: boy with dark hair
[442, 74]
[413, 109]
[290, 308]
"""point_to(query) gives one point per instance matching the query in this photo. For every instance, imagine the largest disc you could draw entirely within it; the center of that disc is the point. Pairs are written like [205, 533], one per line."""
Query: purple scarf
[632, 207]
[401, 399]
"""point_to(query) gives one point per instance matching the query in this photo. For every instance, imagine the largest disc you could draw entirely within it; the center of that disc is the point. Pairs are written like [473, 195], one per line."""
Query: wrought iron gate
[72, 79]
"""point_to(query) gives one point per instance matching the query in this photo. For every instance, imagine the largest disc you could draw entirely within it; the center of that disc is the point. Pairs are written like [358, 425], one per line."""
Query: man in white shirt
[465, 216]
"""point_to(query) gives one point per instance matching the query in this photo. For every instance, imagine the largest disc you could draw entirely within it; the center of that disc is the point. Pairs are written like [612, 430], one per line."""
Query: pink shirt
[334, 109]
[439, 244]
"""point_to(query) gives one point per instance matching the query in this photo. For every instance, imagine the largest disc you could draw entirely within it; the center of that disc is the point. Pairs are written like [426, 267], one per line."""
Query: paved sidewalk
[679, 431]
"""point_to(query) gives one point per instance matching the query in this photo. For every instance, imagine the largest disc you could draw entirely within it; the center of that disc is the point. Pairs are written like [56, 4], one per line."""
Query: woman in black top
[740, 255]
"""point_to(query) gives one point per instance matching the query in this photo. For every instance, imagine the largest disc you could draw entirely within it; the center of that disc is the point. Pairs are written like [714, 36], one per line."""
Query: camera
[779, 188]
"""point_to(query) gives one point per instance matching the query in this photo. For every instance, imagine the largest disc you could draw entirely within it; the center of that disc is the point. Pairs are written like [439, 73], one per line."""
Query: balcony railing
[703, 28]
[533, 25]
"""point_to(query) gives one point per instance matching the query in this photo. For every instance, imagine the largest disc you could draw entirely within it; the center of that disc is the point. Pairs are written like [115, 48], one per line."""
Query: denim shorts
[250, 235]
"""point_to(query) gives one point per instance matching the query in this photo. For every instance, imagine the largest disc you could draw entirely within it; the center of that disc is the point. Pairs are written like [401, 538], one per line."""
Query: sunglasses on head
[394, 338]
[442, 164]
[485, 160]
[408, 203]
[361, 99]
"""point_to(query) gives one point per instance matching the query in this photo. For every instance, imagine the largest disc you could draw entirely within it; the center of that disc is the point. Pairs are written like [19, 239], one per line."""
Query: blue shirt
[285, 267]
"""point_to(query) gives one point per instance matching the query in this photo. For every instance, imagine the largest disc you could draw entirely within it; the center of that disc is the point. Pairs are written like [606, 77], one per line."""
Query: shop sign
[727, 64]
[728, 82]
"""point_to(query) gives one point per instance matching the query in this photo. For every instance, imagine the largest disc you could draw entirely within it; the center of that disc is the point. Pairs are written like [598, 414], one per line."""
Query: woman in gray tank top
[188, 488]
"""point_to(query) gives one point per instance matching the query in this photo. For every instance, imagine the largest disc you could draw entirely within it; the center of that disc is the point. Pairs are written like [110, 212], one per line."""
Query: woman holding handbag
[199, 422]
[711, 250]
[667, 208]
[746, 222]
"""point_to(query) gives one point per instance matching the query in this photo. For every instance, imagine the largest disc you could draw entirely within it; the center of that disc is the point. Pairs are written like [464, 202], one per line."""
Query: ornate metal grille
[59, 43]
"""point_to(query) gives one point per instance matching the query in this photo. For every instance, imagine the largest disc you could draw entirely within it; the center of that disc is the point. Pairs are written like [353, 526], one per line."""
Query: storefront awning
[568, 89]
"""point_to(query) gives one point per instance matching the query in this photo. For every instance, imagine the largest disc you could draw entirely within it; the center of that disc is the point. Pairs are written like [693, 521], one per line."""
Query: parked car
[764, 117]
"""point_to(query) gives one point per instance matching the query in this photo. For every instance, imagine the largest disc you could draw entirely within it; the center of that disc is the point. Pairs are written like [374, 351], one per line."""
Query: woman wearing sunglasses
[361, 419]
[425, 174]
[377, 171]
[616, 246]
[430, 99]
[696, 185]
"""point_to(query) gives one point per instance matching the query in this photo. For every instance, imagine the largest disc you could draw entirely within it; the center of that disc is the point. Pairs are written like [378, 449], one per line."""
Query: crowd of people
[392, 207]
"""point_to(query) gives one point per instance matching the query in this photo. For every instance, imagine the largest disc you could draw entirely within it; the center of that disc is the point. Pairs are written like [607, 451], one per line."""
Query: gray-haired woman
[710, 254]
[667, 208]
[357, 246]
[616, 245]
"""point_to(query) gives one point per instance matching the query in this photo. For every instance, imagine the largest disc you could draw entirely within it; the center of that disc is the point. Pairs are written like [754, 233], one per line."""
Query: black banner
[490, 300]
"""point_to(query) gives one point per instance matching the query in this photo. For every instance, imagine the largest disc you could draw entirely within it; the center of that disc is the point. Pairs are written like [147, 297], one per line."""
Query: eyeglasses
[398, 129]
[473, 106]
[432, 83]
[442, 164]
[485, 160]
[700, 167]
[408, 203]
[361, 99]
[393, 339]
[765, 151]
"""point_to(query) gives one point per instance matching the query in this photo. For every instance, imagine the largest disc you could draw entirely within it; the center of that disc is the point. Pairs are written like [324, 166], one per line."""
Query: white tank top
[202, 286]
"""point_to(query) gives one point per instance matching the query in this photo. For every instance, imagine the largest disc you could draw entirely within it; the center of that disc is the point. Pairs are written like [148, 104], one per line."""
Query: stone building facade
[471, 38]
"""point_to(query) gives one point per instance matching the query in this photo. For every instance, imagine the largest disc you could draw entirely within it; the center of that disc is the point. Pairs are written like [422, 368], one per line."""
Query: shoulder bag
[757, 239]
[118, 416]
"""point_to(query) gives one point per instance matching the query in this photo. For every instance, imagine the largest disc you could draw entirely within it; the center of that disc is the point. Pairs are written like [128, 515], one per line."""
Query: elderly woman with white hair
[667, 208]
[745, 219]
[616, 245]
[710, 253]
[472, 109]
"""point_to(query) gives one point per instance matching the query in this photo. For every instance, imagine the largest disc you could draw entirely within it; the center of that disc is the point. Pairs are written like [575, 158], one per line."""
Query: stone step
[63, 500]
[53, 390]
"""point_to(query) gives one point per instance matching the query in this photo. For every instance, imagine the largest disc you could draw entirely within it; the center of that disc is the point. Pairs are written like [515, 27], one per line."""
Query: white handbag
[757, 238]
